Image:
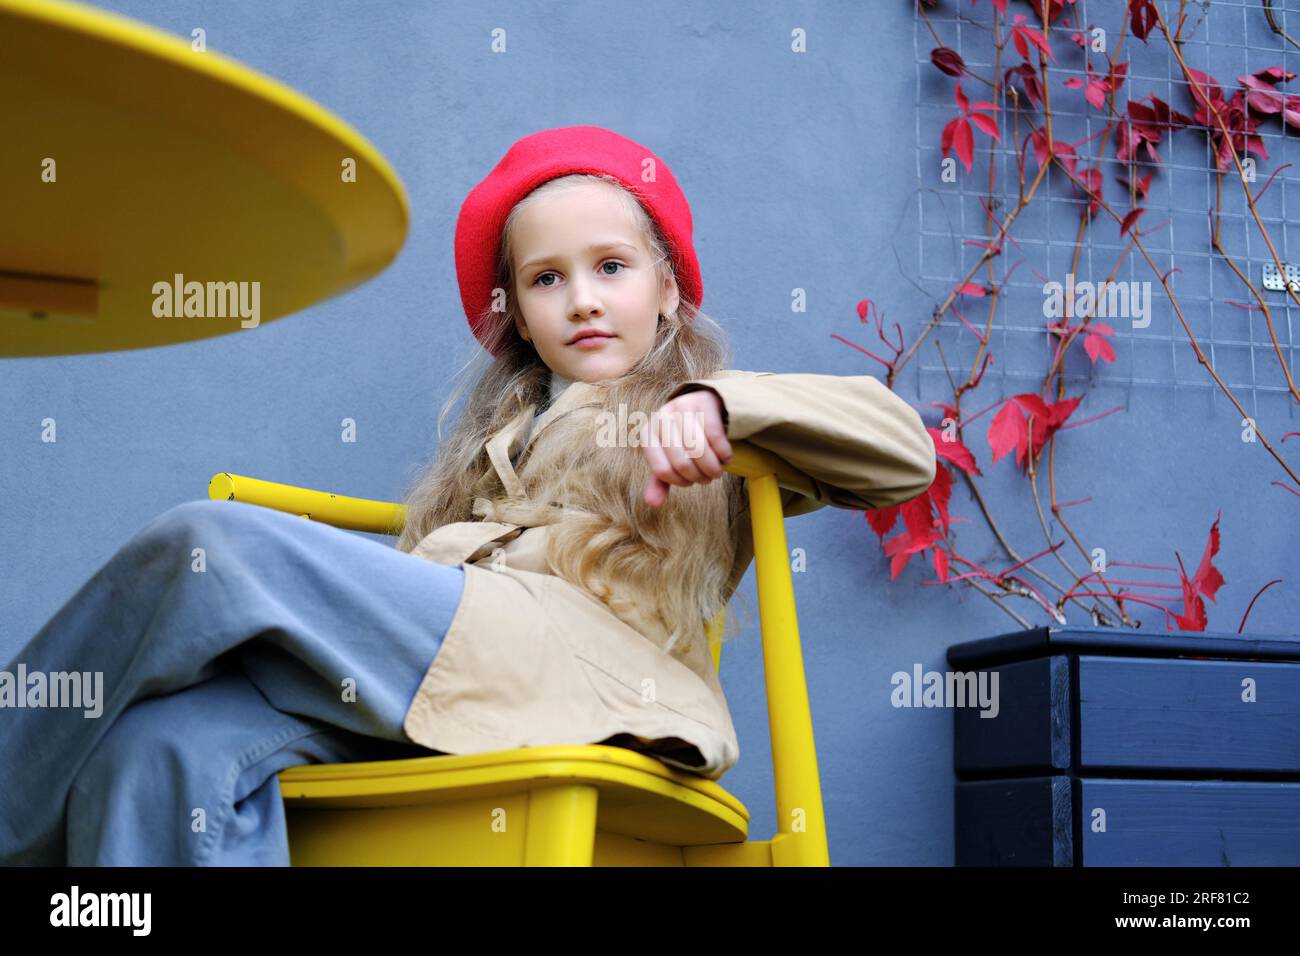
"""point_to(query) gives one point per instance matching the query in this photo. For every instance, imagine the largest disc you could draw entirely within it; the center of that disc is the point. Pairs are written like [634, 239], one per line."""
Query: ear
[522, 328]
[669, 297]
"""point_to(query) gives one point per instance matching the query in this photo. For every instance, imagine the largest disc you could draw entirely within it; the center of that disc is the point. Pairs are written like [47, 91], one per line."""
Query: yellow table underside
[168, 161]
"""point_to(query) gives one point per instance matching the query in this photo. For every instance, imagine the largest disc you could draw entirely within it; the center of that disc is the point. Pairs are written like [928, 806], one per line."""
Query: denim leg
[189, 779]
[326, 624]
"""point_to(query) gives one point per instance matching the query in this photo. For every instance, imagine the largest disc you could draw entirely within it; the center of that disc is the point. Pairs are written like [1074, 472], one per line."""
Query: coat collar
[503, 445]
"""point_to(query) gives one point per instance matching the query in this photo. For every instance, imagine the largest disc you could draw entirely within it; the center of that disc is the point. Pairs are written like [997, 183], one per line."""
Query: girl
[556, 566]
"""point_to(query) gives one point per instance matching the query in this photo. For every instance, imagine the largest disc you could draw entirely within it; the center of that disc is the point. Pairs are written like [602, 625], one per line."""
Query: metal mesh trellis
[1224, 39]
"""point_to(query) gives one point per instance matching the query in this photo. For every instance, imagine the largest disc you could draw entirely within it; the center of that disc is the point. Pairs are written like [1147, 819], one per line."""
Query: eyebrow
[594, 247]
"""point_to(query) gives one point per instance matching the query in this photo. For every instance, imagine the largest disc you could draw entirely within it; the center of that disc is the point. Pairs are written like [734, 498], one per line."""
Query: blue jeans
[285, 641]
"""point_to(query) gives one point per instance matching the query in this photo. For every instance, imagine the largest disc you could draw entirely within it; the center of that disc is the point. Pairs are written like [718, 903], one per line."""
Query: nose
[583, 300]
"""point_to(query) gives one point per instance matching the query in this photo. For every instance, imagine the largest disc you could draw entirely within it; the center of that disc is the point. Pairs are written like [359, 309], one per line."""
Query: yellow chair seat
[575, 805]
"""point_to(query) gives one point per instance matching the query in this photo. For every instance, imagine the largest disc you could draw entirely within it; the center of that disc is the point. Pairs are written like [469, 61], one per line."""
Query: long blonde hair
[674, 559]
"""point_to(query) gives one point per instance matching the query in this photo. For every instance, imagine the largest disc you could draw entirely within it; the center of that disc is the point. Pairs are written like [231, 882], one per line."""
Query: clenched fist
[686, 444]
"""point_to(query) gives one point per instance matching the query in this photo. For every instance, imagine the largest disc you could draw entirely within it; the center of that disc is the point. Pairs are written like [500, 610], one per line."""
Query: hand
[686, 443]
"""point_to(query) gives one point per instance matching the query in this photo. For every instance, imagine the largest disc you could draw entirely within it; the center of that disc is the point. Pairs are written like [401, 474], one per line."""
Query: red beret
[549, 154]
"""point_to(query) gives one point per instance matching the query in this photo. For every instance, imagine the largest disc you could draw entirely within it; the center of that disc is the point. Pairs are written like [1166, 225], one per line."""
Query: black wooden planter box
[1119, 747]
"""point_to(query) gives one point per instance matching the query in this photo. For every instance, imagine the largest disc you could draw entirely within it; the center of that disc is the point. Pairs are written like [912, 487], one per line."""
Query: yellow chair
[587, 805]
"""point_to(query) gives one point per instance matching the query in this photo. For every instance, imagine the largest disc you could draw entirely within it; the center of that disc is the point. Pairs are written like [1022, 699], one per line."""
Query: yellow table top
[151, 194]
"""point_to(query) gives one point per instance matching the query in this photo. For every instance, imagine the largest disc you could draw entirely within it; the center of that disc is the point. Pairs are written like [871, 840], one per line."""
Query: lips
[589, 336]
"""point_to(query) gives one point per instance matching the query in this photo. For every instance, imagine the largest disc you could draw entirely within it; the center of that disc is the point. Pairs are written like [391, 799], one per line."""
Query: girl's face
[580, 264]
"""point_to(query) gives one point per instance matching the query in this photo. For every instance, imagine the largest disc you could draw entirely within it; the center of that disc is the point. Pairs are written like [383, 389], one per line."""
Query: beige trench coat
[532, 660]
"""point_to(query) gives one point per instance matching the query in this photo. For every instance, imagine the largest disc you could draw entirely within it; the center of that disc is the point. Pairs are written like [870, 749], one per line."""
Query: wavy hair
[668, 564]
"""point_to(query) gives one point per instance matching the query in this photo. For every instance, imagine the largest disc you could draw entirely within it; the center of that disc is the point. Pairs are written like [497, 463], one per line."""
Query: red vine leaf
[954, 451]
[957, 135]
[1140, 188]
[940, 563]
[1022, 36]
[1205, 583]
[1098, 87]
[1029, 82]
[1092, 181]
[987, 124]
[925, 520]
[1291, 111]
[1129, 219]
[1010, 426]
[1207, 580]
[1142, 18]
[1008, 430]
[948, 60]
[1096, 346]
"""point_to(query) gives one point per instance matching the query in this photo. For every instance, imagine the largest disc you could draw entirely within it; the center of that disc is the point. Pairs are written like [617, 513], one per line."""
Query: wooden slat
[1110, 641]
[1024, 822]
[1191, 823]
[1188, 715]
[1031, 731]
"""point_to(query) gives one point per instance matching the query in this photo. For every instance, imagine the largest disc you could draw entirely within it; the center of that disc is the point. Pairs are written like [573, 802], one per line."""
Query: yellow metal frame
[592, 805]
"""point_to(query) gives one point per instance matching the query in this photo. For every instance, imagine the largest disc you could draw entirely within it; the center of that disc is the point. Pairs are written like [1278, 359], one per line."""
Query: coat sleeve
[863, 446]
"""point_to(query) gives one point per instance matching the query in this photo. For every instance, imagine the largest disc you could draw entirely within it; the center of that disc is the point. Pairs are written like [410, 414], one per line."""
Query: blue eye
[607, 262]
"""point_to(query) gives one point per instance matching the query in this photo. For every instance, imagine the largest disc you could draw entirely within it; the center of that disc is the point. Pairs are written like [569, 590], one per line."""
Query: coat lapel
[502, 446]
[470, 540]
